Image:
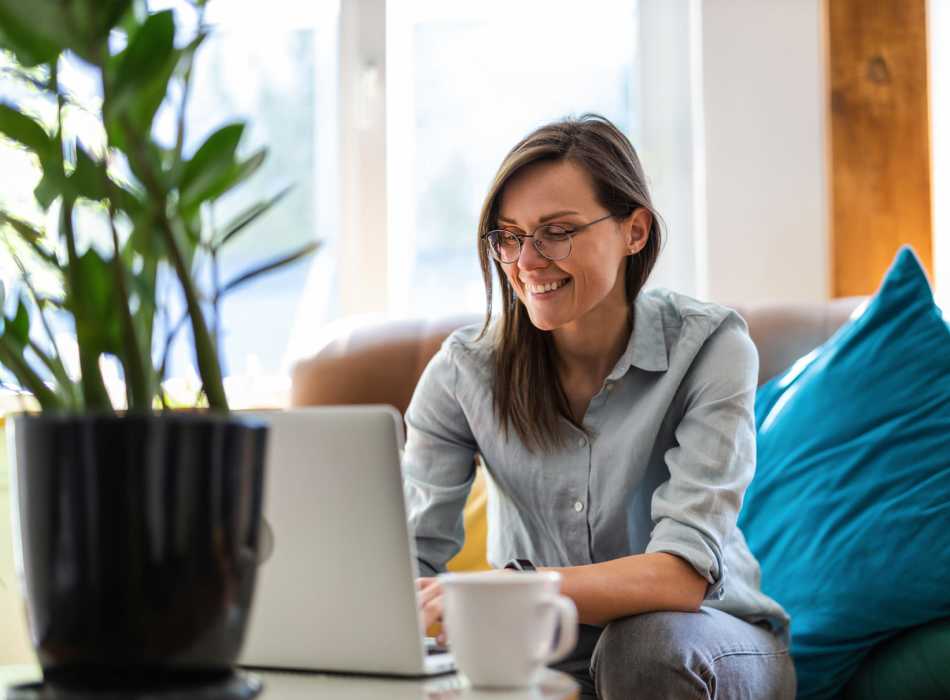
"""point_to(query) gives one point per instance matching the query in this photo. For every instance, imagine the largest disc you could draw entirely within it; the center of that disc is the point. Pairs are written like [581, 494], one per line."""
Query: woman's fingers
[426, 590]
[429, 597]
[432, 611]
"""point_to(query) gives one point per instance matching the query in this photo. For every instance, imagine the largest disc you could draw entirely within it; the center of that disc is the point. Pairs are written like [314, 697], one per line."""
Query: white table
[305, 686]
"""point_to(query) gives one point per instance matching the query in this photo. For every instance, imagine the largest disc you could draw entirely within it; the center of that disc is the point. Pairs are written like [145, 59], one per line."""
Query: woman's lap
[706, 654]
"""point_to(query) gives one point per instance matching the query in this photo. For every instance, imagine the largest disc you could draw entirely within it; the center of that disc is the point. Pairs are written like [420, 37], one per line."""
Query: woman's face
[561, 193]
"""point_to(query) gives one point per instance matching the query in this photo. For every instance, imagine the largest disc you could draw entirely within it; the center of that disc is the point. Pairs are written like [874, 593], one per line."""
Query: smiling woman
[562, 175]
[616, 425]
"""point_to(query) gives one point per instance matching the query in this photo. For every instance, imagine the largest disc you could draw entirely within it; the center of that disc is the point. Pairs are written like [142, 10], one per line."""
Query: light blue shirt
[671, 453]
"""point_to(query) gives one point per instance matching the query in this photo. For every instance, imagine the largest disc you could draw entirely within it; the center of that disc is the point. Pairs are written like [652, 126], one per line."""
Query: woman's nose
[530, 258]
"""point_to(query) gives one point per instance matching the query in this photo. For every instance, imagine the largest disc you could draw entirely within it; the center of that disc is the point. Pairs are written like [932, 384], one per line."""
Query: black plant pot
[138, 540]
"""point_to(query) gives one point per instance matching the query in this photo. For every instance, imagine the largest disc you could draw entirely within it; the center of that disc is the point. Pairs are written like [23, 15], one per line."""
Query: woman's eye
[557, 232]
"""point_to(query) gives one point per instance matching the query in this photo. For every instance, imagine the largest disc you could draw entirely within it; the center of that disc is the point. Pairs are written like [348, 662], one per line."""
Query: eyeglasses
[552, 241]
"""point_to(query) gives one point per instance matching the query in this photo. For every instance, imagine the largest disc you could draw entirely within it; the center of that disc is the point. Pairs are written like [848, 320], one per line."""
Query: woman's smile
[546, 290]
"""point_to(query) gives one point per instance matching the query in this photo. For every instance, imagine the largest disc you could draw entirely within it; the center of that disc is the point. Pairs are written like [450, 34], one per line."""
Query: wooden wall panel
[879, 138]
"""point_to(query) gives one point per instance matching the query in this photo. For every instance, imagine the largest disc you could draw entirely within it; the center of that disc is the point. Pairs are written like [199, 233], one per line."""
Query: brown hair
[527, 390]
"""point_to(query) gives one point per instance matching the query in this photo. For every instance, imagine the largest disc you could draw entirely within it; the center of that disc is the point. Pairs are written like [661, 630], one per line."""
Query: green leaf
[32, 237]
[18, 328]
[146, 240]
[138, 78]
[12, 358]
[25, 131]
[89, 179]
[146, 54]
[18, 34]
[47, 190]
[99, 301]
[228, 180]
[125, 199]
[211, 162]
[45, 27]
[104, 15]
[247, 217]
[269, 267]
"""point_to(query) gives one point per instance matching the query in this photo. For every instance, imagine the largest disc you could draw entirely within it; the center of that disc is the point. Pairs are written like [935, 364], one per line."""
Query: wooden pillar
[879, 138]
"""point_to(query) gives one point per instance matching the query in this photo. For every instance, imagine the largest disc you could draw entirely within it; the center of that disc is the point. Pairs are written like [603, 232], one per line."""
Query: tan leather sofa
[381, 363]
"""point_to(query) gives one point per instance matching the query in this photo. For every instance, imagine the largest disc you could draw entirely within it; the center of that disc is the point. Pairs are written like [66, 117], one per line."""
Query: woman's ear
[636, 229]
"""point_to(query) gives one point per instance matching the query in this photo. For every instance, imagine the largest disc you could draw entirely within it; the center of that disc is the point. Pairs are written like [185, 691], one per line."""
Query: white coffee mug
[500, 625]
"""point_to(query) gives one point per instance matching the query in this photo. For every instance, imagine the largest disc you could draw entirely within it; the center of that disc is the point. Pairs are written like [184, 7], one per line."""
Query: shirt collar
[646, 347]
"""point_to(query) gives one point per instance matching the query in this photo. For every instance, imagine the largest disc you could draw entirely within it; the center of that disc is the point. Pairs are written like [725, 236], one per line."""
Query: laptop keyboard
[432, 647]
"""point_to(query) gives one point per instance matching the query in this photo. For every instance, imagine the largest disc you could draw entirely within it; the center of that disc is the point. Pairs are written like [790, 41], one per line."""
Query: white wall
[765, 197]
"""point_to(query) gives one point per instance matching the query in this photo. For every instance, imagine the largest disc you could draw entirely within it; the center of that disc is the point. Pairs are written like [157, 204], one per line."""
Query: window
[466, 81]
[389, 119]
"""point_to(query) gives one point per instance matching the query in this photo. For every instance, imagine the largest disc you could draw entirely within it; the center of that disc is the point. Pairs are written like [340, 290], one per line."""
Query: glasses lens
[505, 245]
[554, 242]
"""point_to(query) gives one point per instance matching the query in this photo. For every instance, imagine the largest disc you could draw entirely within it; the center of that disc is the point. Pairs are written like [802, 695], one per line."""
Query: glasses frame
[536, 243]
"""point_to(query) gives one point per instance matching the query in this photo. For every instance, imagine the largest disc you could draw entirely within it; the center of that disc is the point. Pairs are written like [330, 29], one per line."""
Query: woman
[616, 426]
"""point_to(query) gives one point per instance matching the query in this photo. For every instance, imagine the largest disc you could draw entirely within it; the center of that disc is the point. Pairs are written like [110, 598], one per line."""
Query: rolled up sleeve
[438, 464]
[713, 459]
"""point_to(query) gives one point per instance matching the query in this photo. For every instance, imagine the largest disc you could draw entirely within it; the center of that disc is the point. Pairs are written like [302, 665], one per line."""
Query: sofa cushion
[848, 512]
[911, 666]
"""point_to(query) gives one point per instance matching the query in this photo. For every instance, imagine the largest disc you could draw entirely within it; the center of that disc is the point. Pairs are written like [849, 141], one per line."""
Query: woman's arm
[438, 463]
[695, 511]
[632, 585]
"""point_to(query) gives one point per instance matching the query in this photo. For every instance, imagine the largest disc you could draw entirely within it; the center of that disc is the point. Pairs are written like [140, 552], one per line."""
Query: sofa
[906, 658]
[381, 363]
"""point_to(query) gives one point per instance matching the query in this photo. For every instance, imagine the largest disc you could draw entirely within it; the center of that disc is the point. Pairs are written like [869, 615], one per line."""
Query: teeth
[550, 287]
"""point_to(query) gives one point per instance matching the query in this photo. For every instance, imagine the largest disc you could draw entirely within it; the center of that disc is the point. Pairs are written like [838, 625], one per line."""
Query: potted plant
[138, 525]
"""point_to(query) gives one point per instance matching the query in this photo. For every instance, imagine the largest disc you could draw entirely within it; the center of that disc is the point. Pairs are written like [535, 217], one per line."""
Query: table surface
[313, 686]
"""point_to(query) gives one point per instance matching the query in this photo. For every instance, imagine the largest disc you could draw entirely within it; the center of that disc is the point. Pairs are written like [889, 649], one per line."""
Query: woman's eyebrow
[543, 219]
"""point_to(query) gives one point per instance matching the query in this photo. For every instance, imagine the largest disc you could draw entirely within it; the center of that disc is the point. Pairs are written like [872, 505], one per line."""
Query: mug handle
[567, 619]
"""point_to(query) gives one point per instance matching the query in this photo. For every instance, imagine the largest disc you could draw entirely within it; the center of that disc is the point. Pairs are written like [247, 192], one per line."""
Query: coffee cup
[501, 625]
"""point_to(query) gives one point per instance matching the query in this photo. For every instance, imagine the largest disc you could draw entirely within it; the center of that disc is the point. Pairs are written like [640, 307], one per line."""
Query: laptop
[337, 591]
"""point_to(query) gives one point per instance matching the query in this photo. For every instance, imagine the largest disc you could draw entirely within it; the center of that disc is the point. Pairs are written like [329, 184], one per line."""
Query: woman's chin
[545, 322]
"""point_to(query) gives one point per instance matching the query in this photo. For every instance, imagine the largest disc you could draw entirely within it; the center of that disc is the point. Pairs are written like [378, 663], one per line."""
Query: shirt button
[610, 386]
[581, 442]
[578, 506]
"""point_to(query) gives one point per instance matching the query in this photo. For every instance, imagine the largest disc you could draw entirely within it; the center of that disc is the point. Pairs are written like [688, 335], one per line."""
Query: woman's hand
[429, 597]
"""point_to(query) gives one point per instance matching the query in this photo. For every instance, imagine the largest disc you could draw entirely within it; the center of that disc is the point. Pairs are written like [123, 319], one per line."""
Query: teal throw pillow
[849, 511]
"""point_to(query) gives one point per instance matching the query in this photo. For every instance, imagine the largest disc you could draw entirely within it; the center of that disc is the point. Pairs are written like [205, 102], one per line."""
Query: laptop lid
[338, 591]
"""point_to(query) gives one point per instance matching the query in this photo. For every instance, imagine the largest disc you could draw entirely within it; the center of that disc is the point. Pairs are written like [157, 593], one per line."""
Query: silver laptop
[337, 592]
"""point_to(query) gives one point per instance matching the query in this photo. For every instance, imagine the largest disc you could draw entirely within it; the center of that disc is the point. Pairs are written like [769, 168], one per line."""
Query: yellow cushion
[472, 556]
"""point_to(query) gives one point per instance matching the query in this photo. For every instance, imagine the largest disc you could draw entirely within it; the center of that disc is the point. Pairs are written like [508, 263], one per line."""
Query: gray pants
[682, 656]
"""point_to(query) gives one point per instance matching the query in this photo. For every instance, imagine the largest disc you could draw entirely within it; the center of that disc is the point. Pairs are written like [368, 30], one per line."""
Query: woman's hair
[527, 390]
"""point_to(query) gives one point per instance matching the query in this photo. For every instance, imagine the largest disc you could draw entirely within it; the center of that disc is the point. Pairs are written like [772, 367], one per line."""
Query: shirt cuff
[425, 568]
[689, 544]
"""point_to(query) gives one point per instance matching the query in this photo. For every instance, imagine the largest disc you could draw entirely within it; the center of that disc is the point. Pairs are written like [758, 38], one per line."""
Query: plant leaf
[45, 26]
[146, 55]
[32, 237]
[47, 190]
[25, 131]
[19, 325]
[138, 77]
[229, 180]
[99, 301]
[214, 160]
[270, 266]
[248, 217]
[103, 15]
[20, 32]
[89, 178]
